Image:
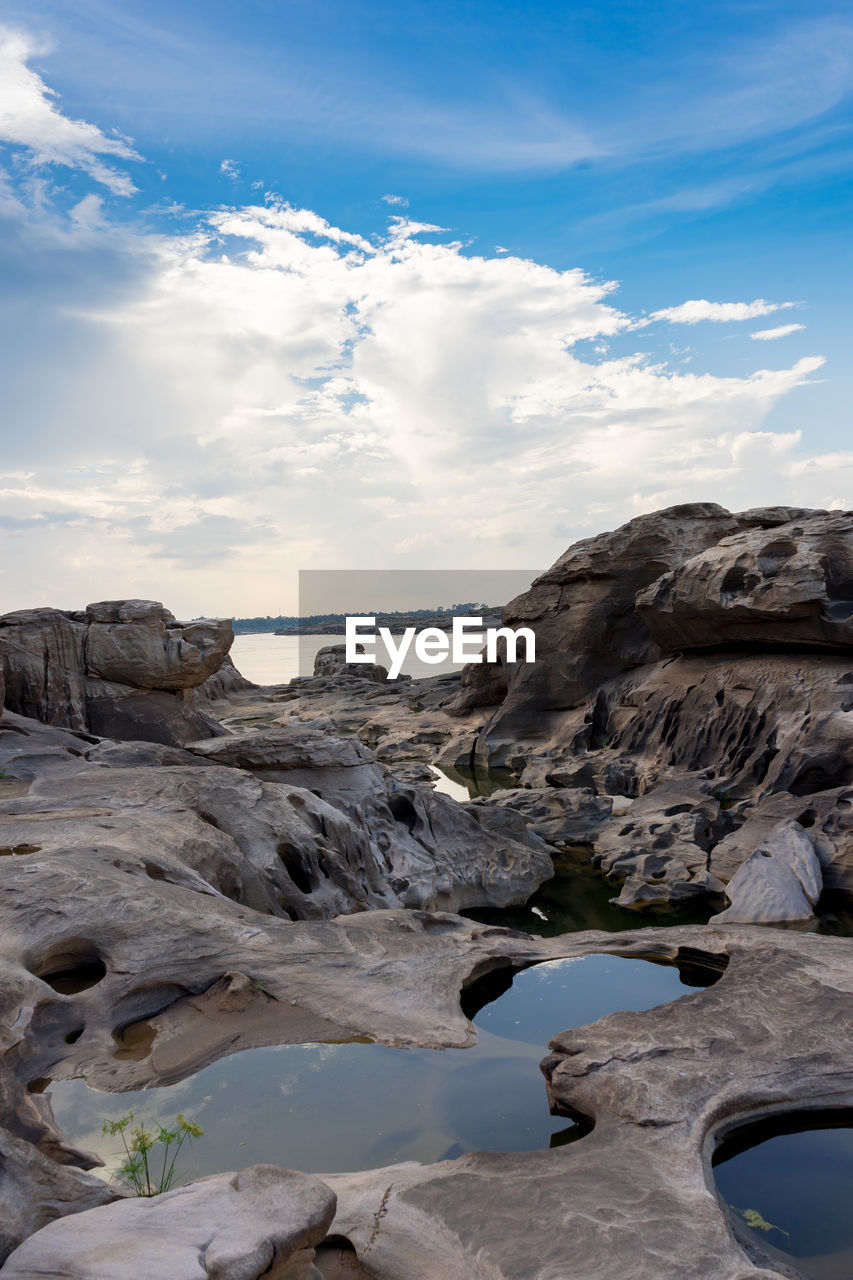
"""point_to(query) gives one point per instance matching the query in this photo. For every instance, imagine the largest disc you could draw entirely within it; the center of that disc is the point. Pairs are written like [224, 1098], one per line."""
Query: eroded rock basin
[786, 1183]
[334, 1107]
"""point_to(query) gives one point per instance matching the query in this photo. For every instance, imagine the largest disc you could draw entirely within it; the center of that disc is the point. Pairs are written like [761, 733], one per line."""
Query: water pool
[787, 1183]
[337, 1107]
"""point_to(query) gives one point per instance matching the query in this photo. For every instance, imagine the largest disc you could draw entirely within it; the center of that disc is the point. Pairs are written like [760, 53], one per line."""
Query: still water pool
[338, 1107]
[789, 1182]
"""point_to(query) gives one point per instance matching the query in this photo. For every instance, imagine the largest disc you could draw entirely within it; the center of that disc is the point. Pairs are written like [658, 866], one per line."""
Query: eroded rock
[779, 883]
[264, 1221]
[121, 668]
[789, 586]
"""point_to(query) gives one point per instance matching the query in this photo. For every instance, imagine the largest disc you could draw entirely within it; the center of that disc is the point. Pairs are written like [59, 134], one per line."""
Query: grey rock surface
[264, 1221]
[790, 586]
[121, 668]
[779, 883]
[635, 1197]
[582, 609]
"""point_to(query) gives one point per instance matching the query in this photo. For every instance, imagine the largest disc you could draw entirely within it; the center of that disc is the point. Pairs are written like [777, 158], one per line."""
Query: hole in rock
[734, 580]
[840, 593]
[74, 1036]
[771, 558]
[17, 850]
[336, 1259]
[296, 865]
[71, 967]
[785, 1183]
[821, 775]
[403, 811]
[348, 1106]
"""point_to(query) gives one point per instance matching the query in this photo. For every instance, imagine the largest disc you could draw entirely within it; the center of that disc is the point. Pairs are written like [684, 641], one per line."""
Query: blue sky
[208, 389]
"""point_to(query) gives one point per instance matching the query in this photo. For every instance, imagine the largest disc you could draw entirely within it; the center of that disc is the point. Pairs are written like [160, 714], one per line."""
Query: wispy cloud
[699, 310]
[30, 118]
[782, 331]
[230, 169]
[402, 201]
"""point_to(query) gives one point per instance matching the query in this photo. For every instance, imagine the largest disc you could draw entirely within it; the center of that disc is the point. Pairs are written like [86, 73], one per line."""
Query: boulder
[222, 685]
[139, 642]
[779, 883]
[789, 586]
[264, 1221]
[331, 661]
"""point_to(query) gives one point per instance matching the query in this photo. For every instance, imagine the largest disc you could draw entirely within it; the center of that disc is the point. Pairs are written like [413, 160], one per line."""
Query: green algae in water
[794, 1174]
[578, 898]
[338, 1107]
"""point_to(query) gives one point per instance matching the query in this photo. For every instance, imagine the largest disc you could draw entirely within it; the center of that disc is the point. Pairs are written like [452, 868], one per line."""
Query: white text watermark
[433, 645]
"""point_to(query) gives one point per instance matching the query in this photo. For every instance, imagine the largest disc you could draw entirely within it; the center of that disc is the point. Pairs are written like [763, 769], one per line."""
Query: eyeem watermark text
[433, 645]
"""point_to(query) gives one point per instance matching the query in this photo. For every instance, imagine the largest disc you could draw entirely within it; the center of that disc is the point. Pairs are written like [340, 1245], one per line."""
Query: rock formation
[714, 694]
[264, 1221]
[119, 668]
[203, 891]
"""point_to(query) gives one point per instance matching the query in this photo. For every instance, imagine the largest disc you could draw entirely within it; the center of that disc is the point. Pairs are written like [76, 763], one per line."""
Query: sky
[291, 285]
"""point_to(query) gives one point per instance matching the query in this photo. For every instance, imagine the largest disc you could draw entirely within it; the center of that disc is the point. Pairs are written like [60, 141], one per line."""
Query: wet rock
[787, 586]
[635, 1197]
[779, 883]
[264, 1221]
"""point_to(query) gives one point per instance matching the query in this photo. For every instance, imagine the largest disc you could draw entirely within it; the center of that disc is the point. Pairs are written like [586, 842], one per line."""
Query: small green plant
[754, 1219]
[724, 798]
[377, 1220]
[147, 1174]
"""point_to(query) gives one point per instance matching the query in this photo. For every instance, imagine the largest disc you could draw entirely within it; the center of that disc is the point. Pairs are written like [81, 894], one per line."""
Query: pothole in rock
[346, 1106]
[71, 967]
[786, 1183]
[17, 850]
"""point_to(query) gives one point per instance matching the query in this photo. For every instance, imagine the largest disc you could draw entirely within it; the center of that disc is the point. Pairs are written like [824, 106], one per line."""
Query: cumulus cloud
[268, 391]
[30, 118]
[302, 396]
[782, 331]
[698, 310]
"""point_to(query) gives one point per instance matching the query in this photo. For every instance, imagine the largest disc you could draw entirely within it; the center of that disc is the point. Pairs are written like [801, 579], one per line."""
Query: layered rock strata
[119, 668]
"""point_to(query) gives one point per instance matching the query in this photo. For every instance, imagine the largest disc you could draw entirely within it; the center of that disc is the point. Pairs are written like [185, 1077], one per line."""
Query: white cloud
[268, 391]
[231, 170]
[782, 331]
[293, 394]
[29, 118]
[402, 201]
[698, 310]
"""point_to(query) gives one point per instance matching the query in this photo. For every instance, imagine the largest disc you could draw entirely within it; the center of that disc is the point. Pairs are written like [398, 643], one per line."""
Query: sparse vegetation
[140, 1169]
